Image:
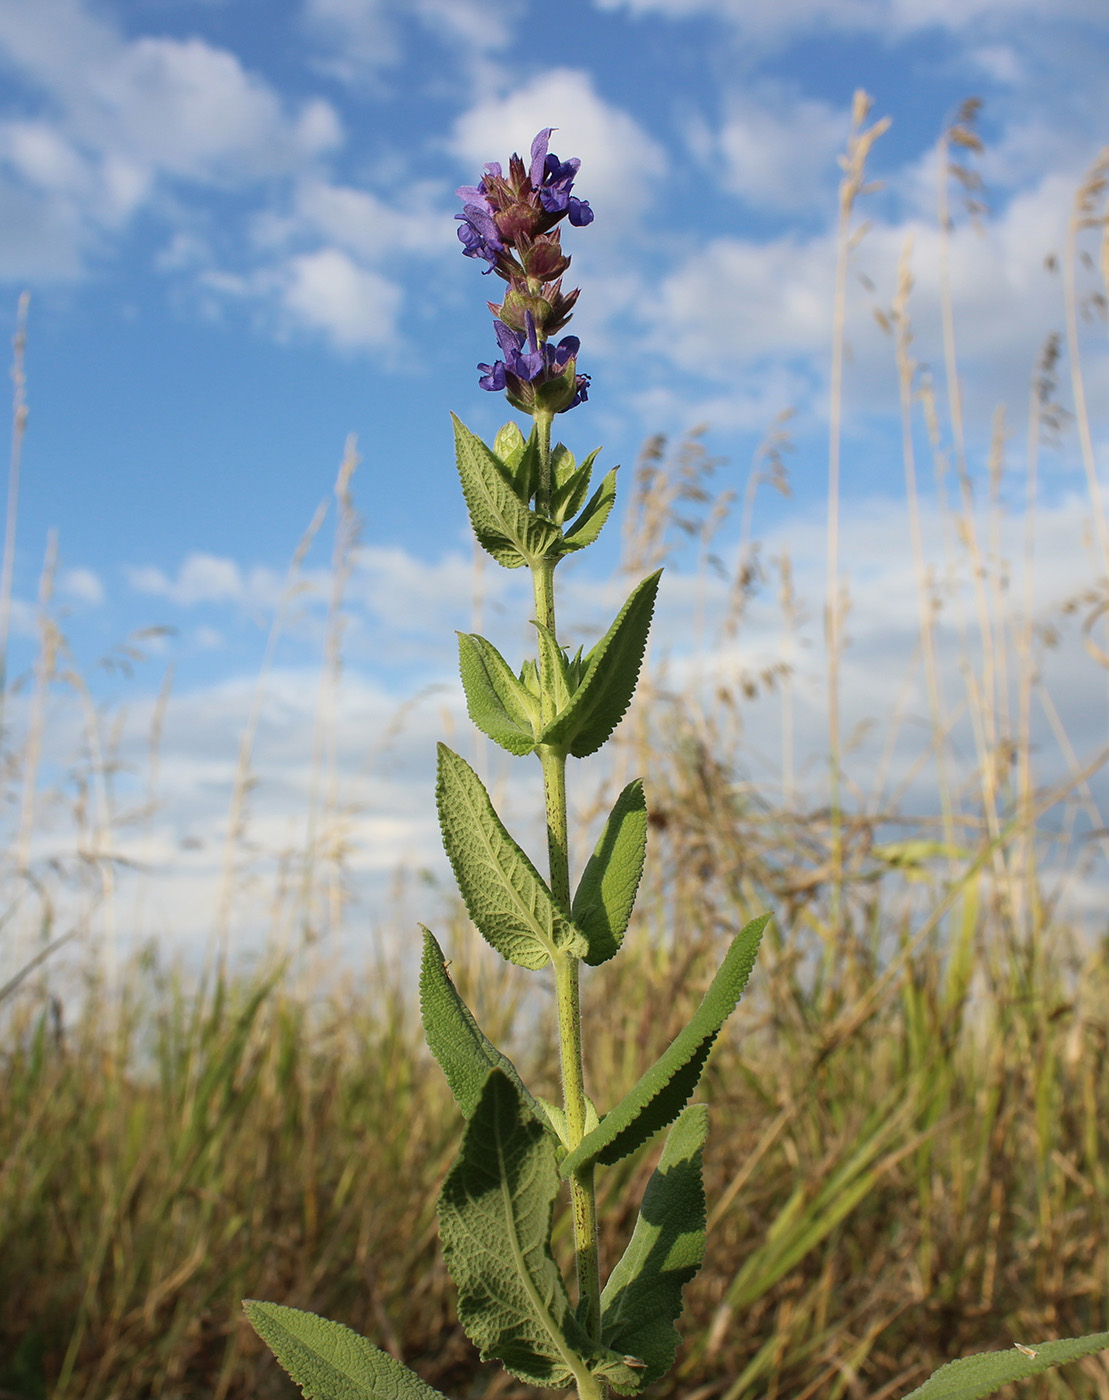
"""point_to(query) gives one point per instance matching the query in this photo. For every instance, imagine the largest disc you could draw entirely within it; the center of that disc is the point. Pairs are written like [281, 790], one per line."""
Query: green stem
[543, 495]
[553, 760]
[589, 1387]
[582, 1194]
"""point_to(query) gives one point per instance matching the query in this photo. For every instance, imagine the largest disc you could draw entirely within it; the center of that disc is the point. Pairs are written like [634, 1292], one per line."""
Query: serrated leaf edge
[562, 730]
[526, 720]
[574, 943]
[406, 1384]
[681, 1050]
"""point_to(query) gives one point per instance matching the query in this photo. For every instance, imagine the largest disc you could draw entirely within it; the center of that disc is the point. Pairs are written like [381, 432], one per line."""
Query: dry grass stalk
[19, 431]
[852, 187]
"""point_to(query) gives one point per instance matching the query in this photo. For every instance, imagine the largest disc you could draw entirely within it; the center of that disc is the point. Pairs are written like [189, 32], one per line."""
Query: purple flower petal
[493, 378]
[539, 157]
[568, 347]
[508, 339]
[474, 194]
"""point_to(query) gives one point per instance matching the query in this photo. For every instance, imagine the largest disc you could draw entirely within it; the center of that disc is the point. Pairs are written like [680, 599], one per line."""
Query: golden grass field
[909, 1151]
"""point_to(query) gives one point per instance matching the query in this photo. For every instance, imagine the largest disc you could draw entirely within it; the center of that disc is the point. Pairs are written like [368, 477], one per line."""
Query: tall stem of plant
[553, 760]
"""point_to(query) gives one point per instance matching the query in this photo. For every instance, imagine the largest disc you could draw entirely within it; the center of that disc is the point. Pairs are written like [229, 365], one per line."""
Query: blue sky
[235, 218]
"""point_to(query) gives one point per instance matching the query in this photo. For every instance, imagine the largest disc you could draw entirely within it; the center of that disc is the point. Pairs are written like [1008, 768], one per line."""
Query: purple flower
[509, 212]
[478, 232]
[535, 361]
[525, 373]
[510, 219]
[558, 180]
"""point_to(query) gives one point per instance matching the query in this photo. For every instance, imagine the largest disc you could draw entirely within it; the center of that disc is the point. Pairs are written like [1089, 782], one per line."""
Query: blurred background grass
[907, 1158]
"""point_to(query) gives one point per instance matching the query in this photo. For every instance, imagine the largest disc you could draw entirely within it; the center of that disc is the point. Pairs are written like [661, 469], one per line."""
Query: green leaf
[563, 465]
[464, 1052]
[606, 891]
[554, 664]
[497, 702]
[527, 473]
[502, 522]
[567, 498]
[590, 522]
[612, 669]
[643, 1295]
[975, 1376]
[504, 893]
[660, 1094]
[556, 1117]
[509, 445]
[495, 1213]
[529, 679]
[331, 1362]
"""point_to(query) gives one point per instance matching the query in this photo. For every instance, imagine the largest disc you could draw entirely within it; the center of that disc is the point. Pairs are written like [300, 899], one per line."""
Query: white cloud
[892, 18]
[129, 118]
[613, 148]
[739, 302]
[356, 220]
[83, 586]
[760, 396]
[209, 639]
[774, 148]
[207, 578]
[188, 109]
[354, 306]
[153, 116]
[1000, 62]
[40, 238]
[361, 38]
[42, 155]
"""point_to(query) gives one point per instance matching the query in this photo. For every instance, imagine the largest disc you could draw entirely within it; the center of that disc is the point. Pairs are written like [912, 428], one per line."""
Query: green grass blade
[332, 1362]
[504, 893]
[606, 892]
[808, 1216]
[988, 1371]
[612, 670]
[661, 1093]
[496, 700]
[643, 1296]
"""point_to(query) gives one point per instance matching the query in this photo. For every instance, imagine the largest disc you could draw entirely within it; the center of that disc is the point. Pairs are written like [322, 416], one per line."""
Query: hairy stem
[543, 495]
[553, 760]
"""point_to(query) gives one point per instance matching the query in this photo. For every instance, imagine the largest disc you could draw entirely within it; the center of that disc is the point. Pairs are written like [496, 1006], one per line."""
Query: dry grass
[908, 1158]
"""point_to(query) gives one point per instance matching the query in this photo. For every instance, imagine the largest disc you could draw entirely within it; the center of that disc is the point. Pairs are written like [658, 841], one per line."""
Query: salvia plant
[530, 506]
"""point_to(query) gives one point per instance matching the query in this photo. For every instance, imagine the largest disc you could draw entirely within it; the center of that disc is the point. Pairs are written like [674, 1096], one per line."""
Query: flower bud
[543, 258]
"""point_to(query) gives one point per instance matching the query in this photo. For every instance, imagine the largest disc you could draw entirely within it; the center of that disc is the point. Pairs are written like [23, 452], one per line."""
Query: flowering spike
[510, 221]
